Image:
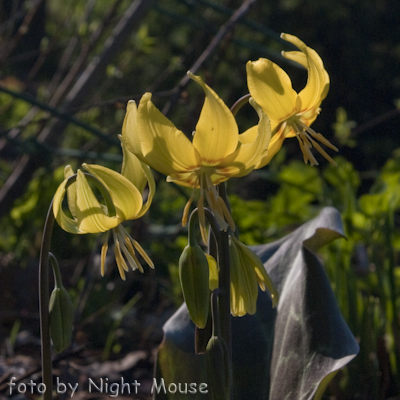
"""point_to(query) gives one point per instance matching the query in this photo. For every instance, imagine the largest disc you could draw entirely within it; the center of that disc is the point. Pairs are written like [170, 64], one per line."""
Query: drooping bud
[218, 371]
[194, 277]
[61, 312]
[218, 367]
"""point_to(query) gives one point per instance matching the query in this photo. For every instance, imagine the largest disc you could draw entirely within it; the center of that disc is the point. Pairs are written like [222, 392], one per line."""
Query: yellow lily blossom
[89, 216]
[216, 153]
[247, 274]
[291, 113]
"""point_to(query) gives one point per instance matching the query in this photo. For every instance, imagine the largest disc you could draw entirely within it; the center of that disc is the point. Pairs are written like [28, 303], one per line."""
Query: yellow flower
[89, 216]
[247, 273]
[216, 153]
[291, 113]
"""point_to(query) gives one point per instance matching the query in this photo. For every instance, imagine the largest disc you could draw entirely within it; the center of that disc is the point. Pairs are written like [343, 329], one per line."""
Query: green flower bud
[217, 367]
[61, 318]
[194, 276]
[61, 311]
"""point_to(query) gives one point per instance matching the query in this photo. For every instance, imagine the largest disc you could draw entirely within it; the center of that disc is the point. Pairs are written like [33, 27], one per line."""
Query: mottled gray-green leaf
[280, 353]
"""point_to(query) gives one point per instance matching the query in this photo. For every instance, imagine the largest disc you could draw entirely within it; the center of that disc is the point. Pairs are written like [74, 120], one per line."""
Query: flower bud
[194, 276]
[217, 367]
[61, 318]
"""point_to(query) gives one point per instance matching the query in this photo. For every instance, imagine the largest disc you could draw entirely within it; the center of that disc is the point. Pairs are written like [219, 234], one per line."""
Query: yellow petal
[296, 56]
[317, 86]
[157, 141]
[213, 272]
[89, 213]
[66, 223]
[126, 197]
[274, 146]
[271, 87]
[139, 174]
[250, 153]
[130, 128]
[152, 190]
[263, 279]
[244, 288]
[217, 132]
[71, 191]
[187, 179]
[132, 168]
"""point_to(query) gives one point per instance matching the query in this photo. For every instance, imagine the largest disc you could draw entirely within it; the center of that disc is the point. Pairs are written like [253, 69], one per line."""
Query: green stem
[216, 331]
[47, 375]
[224, 302]
[224, 278]
[239, 104]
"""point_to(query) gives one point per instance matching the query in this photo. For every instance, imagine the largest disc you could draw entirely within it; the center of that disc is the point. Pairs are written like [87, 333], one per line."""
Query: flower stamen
[141, 251]
[186, 211]
[304, 135]
[121, 264]
[226, 213]
[131, 256]
[104, 250]
[202, 218]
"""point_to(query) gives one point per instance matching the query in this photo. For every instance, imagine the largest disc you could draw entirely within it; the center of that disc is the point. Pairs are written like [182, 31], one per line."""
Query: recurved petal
[253, 145]
[71, 191]
[187, 179]
[217, 132]
[89, 213]
[213, 272]
[159, 143]
[126, 197]
[317, 86]
[271, 87]
[263, 279]
[274, 146]
[152, 190]
[244, 290]
[135, 170]
[66, 223]
[130, 129]
[296, 56]
[132, 168]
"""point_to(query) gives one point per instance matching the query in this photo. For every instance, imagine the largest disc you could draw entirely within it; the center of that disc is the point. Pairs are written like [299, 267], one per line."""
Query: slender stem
[224, 280]
[214, 312]
[239, 104]
[47, 376]
[224, 277]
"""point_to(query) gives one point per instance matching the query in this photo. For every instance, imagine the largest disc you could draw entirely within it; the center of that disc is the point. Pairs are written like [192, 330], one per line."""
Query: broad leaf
[281, 353]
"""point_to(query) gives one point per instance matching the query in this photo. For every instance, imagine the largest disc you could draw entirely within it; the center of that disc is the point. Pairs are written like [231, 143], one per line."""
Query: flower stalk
[44, 294]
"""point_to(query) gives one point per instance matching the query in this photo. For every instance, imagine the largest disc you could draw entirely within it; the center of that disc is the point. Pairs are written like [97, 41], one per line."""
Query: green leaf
[281, 353]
